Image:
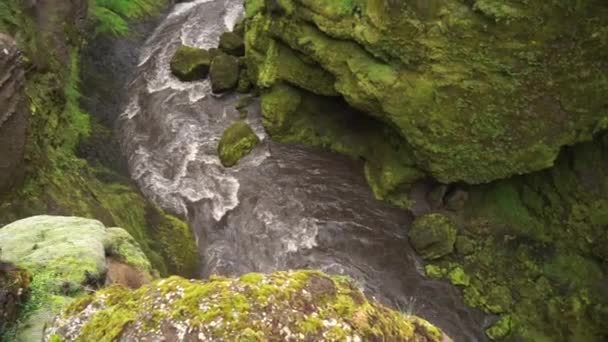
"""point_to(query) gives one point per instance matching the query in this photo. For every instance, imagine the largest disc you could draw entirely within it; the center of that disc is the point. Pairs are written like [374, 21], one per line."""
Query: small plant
[111, 16]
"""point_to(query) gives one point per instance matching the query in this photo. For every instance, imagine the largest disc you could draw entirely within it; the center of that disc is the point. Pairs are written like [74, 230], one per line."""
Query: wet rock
[224, 73]
[244, 85]
[237, 141]
[14, 115]
[433, 236]
[232, 44]
[464, 245]
[14, 289]
[190, 64]
[283, 306]
[456, 200]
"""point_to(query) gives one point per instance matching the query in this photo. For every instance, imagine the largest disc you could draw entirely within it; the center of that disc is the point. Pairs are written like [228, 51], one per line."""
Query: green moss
[190, 64]
[224, 73]
[433, 236]
[292, 115]
[255, 307]
[472, 109]
[232, 44]
[500, 329]
[237, 141]
[457, 276]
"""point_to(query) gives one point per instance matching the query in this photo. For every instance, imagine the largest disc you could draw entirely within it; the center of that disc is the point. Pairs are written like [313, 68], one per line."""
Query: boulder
[14, 113]
[283, 306]
[224, 73]
[433, 236]
[237, 141]
[190, 64]
[232, 44]
[66, 256]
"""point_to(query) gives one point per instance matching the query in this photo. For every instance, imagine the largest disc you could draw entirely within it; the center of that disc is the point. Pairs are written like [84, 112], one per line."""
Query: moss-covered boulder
[224, 73]
[237, 141]
[14, 290]
[433, 236]
[67, 256]
[481, 90]
[191, 64]
[232, 44]
[283, 306]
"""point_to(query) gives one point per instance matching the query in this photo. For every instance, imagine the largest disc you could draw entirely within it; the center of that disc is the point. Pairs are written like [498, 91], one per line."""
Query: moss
[232, 44]
[292, 115]
[399, 61]
[224, 73]
[190, 64]
[254, 307]
[500, 329]
[237, 141]
[457, 276]
[433, 236]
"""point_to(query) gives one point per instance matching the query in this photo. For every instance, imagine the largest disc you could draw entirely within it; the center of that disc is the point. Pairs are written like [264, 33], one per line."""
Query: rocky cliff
[13, 115]
[471, 91]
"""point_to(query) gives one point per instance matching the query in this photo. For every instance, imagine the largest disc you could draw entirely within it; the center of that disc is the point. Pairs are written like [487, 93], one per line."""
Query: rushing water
[282, 207]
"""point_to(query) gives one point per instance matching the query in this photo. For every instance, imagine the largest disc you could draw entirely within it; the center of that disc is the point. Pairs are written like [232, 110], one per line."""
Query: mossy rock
[232, 44]
[237, 141]
[224, 73]
[72, 249]
[433, 236]
[294, 306]
[191, 64]
[479, 92]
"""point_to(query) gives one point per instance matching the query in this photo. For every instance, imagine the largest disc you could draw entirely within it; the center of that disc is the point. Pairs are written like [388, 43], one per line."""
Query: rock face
[480, 90]
[237, 141]
[14, 115]
[433, 236]
[284, 306]
[190, 64]
[14, 286]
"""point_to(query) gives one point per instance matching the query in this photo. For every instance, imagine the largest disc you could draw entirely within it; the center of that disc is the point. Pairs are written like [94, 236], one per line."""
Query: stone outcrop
[283, 306]
[479, 90]
[237, 141]
[13, 115]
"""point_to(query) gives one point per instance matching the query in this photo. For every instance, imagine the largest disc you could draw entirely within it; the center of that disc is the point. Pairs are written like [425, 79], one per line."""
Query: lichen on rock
[237, 141]
[294, 306]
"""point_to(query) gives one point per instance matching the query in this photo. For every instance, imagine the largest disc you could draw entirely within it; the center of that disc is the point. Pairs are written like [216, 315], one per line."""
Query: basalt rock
[283, 306]
[433, 236]
[232, 44]
[14, 115]
[480, 90]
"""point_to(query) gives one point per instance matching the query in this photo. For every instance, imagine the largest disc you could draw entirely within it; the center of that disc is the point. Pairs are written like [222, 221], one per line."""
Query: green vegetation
[305, 304]
[237, 141]
[190, 64]
[113, 16]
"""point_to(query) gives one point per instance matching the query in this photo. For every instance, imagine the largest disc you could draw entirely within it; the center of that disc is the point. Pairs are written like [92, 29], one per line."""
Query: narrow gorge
[303, 170]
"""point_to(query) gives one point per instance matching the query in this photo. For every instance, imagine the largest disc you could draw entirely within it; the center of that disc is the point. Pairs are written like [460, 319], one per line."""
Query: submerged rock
[224, 73]
[191, 64]
[433, 236]
[283, 306]
[237, 141]
[232, 44]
